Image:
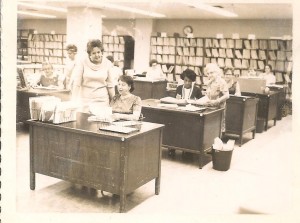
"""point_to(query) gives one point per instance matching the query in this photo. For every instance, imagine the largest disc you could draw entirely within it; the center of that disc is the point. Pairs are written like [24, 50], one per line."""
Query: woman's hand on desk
[213, 102]
[115, 116]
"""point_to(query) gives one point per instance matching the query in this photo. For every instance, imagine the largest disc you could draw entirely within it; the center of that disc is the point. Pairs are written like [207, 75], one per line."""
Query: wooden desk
[192, 132]
[281, 99]
[149, 89]
[267, 106]
[23, 112]
[241, 115]
[80, 153]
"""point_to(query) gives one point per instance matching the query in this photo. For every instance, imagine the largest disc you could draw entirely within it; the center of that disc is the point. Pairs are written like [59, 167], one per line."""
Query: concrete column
[143, 30]
[83, 24]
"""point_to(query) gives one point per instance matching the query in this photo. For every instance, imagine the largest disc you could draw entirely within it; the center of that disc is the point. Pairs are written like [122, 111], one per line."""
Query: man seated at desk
[49, 78]
[188, 90]
[155, 72]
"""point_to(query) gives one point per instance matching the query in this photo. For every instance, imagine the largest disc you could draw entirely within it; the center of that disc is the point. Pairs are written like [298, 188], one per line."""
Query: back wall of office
[263, 28]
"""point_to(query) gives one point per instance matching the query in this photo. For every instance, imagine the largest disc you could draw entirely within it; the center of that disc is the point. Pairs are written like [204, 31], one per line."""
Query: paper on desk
[172, 100]
[167, 105]
[126, 123]
[47, 88]
[190, 107]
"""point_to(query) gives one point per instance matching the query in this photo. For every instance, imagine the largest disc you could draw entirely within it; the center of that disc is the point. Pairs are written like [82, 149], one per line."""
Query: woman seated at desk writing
[188, 90]
[125, 105]
[48, 78]
[154, 71]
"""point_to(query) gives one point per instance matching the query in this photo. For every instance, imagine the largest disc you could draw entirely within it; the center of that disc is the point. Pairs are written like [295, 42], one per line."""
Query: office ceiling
[254, 9]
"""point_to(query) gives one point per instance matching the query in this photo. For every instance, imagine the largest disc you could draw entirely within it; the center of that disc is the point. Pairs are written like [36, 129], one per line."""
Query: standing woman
[93, 83]
[217, 90]
[70, 64]
[268, 75]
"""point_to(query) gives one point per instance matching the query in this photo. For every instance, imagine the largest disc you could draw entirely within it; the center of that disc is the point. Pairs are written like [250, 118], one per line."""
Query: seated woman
[188, 90]
[232, 82]
[155, 72]
[252, 72]
[269, 75]
[50, 79]
[125, 105]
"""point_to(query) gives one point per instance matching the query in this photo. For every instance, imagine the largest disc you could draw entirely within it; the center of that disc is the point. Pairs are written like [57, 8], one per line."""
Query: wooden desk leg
[32, 173]
[275, 121]
[266, 125]
[32, 180]
[157, 185]
[122, 202]
[241, 138]
[201, 159]
[253, 133]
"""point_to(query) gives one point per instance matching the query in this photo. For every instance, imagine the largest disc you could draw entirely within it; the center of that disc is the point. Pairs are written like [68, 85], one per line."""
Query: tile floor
[258, 181]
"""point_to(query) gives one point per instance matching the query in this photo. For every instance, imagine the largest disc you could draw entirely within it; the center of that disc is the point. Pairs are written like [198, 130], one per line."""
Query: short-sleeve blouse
[217, 89]
[127, 105]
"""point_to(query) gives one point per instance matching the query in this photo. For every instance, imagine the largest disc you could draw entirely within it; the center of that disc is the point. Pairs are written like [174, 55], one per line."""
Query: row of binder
[41, 59]
[48, 37]
[163, 41]
[189, 51]
[116, 55]
[179, 69]
[41, 44]
[45, 52]
[113, 47]
[163, 50]
[113, 39]
[163, 58]
[180, 41]
[167, 70]
[285, 45]
[235, 43]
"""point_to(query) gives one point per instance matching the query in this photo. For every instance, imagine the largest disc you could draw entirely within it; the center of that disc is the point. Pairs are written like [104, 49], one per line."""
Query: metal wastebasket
[221, 159]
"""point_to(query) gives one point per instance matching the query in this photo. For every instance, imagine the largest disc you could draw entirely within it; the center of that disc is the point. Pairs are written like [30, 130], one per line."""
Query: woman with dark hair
[93, 83]
[188, 90]
[125, 105]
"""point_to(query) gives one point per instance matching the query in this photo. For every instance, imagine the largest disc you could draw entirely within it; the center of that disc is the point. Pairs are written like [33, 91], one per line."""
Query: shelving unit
[121, 48]
[22, 43]
[47, 47]
[240, 54]
[175, 54]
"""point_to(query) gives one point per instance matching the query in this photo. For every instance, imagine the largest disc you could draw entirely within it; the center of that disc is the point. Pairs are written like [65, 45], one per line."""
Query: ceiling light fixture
[43, 7]
[209, 8]
[129, 9]
[36, 14]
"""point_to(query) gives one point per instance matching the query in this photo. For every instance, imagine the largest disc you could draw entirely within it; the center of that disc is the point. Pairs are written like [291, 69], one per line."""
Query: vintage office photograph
[142, 111]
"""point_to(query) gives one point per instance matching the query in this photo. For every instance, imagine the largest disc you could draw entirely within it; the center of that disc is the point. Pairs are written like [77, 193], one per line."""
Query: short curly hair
[190, 74]
[71, 47]
[128, 80]
[92, 44]
[152, 62]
